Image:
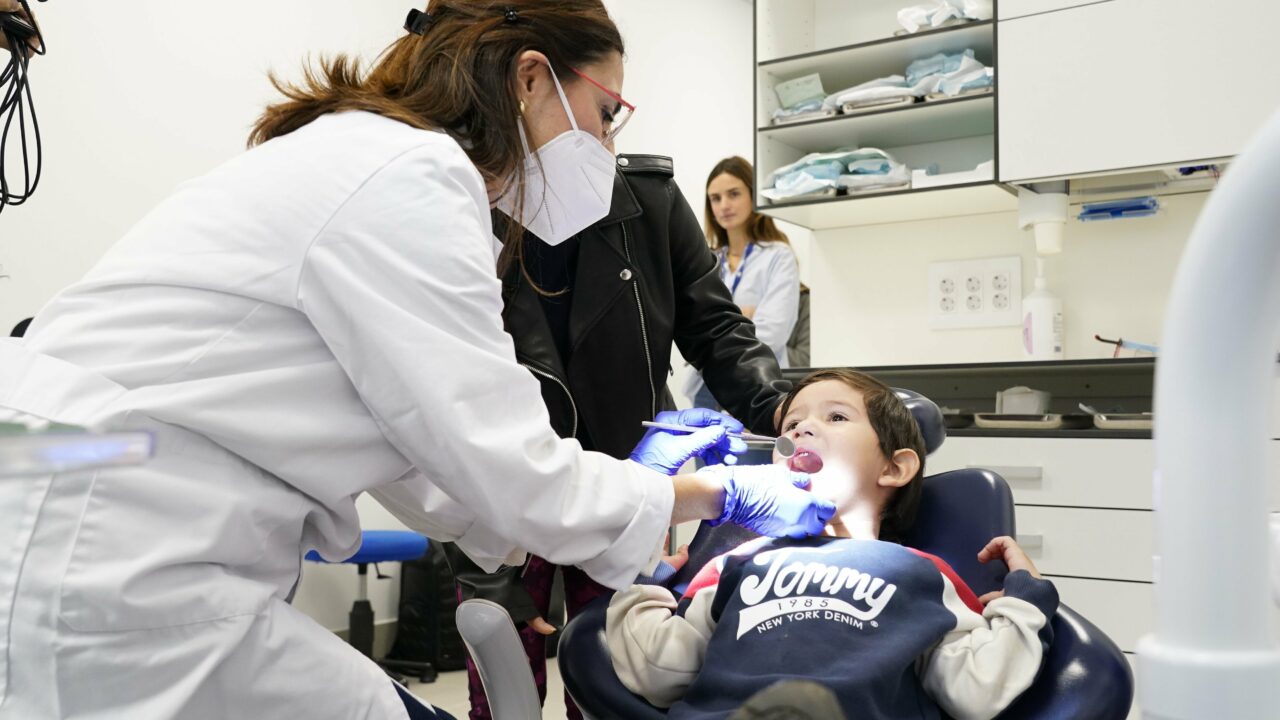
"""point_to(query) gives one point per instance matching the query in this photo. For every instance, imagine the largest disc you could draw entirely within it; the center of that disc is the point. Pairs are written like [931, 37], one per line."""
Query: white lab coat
[770, 283]
[317, 318]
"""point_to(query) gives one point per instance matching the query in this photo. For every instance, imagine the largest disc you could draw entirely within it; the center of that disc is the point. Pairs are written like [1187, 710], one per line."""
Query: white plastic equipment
[1042, 320]
[1213, 652]
[494, 644]
[1046, 215]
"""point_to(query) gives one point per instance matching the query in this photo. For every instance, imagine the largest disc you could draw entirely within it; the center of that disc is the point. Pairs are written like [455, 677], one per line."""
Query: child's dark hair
[895, 428]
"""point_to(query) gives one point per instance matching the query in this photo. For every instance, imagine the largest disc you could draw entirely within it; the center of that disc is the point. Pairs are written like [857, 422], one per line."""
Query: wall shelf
[923, 122]
[844, 66]
[895, 206]
[1114, 385]
[846, 45]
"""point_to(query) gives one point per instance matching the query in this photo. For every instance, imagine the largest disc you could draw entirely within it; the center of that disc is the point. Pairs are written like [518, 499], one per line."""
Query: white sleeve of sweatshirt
[655, 652]
[979, 668]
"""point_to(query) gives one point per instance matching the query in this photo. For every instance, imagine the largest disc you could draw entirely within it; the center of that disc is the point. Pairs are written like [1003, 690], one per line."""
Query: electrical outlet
[975, 293]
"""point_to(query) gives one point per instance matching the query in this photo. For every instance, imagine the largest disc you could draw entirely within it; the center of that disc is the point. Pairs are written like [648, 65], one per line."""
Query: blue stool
[380, 546]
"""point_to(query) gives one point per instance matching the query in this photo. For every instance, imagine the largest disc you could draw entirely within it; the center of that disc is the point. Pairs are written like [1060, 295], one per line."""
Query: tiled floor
[449, 693]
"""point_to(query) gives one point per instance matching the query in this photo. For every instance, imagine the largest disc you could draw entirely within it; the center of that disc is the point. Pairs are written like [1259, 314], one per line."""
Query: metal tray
[1048, 421]
[1123, 421]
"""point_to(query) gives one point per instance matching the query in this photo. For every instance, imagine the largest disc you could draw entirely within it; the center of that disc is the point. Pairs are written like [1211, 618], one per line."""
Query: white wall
[133, 100]
[688, 71]
[869, 302]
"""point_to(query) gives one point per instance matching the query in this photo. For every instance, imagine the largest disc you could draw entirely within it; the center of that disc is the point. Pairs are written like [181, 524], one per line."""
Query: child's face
[829, 419]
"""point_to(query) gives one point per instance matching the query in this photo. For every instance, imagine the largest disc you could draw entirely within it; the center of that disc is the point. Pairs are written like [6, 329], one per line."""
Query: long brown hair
[896, 429]
[457, 76]
[760, 227]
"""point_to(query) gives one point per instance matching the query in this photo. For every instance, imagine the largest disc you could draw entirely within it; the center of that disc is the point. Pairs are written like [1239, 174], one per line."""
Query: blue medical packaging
[1116, 209]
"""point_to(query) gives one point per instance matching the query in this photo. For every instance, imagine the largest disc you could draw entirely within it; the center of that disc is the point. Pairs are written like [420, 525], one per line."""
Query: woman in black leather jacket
[597, 331]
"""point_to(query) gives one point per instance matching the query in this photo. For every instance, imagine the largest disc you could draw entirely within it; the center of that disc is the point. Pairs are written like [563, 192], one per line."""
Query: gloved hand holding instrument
[713, 437]
[768, 499]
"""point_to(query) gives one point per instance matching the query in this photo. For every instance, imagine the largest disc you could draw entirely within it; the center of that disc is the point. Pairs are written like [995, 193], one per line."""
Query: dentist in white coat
[316, 319]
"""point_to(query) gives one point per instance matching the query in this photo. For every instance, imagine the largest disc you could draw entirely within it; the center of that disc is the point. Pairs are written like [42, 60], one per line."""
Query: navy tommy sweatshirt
[894, 632]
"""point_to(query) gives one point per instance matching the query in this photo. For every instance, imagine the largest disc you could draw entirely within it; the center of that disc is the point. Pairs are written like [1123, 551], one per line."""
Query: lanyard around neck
[737, 276]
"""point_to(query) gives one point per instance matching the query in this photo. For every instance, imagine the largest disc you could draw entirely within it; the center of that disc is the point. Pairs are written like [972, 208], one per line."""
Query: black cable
[16, 103]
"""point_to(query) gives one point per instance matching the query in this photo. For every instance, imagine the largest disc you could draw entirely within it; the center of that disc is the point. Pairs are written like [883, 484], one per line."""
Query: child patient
[892, 631]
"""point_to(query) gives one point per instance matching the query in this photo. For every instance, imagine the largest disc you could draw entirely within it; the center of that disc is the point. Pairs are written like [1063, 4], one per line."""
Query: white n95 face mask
[568, 182]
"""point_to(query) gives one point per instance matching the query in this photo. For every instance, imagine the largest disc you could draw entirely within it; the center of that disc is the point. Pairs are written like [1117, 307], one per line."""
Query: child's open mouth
[805, 461]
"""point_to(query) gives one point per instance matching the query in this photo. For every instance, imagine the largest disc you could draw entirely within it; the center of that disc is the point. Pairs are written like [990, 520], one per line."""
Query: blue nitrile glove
[770, 500]
[667, 451]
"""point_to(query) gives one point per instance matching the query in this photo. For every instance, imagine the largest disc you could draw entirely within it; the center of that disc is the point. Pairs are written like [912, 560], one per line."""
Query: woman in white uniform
[316, 319]
[756, 263]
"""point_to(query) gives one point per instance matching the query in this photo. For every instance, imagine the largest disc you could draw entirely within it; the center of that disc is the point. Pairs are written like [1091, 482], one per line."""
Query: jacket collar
[602, 257]
[624, 205]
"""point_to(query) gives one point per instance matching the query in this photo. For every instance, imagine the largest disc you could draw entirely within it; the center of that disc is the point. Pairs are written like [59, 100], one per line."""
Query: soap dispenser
[1041, 321]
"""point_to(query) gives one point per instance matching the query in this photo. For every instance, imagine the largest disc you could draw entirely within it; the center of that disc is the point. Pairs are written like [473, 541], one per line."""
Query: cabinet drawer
[1104, 544]
[1107, 473]
[1010, 9]
[1122, 610]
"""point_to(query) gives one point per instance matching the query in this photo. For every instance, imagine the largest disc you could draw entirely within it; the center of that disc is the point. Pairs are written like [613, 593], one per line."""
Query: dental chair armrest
[494, 644]
[587, 670]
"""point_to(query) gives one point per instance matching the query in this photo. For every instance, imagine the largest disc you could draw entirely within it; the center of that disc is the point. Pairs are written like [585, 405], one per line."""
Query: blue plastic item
[1193, 169]
[383, 546]
[1117, 209]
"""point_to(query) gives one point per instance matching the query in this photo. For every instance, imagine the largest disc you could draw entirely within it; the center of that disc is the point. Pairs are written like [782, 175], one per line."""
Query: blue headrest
[927, 416]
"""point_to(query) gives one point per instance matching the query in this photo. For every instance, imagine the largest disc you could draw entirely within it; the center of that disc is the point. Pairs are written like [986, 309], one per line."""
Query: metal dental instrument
[784, 445]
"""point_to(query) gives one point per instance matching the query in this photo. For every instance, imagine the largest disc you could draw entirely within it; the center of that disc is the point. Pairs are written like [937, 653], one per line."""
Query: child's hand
[678, 560]
[542, 627]
[1007, 549]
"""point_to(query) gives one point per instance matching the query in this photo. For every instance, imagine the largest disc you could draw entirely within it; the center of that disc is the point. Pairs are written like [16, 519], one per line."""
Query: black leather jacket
[645, 279]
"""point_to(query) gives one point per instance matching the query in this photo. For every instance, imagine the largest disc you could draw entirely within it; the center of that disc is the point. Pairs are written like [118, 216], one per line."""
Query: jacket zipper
[524, 570]
[572, 405]
[644, 330]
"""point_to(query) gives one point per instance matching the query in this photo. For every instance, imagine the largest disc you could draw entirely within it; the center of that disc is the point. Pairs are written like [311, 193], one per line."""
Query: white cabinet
[1066, 472]
[1099, 543]
[1122, 609]
[1125, 84]
[1009, 9]
[1083, 509]
[1084, 515]
[950, 139]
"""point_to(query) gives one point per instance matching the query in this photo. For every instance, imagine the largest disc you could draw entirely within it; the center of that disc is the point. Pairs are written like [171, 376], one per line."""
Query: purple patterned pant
[538, 576]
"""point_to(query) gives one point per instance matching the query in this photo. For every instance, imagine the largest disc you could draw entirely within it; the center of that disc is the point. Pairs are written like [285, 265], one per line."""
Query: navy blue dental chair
[1084, 674]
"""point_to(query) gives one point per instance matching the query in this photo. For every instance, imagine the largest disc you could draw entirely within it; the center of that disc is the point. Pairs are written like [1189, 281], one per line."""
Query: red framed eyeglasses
[620, 115]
